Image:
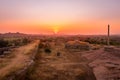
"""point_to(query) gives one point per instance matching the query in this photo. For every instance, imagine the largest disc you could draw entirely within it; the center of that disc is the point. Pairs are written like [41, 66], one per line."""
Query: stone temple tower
[108, 40]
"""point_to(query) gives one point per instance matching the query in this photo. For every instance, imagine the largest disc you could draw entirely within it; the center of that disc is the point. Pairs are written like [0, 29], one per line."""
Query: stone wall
[77, 45]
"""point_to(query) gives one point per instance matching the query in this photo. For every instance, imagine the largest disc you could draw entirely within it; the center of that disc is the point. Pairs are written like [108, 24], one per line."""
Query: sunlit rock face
[77, 45]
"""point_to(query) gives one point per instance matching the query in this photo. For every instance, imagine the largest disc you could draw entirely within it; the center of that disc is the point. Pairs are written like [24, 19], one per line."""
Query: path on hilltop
[22, 55]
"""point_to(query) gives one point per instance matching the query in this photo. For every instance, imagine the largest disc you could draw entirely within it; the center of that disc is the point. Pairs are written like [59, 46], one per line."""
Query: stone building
[77, 45]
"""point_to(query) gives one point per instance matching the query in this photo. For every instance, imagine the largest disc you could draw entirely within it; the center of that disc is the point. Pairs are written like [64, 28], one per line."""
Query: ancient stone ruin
[77, 45]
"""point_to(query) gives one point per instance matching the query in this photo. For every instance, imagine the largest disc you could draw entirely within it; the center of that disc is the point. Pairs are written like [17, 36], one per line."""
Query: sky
[60, 16]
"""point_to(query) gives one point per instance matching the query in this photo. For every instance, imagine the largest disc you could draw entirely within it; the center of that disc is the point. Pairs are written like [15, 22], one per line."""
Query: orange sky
[78, 27]
[61, 17]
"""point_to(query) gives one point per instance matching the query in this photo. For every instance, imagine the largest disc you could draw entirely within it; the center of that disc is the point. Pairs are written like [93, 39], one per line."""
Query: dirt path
[22, 56]
[67, 66]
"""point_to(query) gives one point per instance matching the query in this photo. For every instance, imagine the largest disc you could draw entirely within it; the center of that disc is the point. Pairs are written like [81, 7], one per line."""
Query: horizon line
[52, 33]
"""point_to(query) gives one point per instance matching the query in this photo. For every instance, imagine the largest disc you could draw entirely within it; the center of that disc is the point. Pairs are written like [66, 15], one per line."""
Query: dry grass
[19, 60]
[3, 64]
[6, 60]
[95, 47]
[67, 66]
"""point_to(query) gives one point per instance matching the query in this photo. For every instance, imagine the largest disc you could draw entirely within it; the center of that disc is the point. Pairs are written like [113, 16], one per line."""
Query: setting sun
[59, 16]
[55, 29]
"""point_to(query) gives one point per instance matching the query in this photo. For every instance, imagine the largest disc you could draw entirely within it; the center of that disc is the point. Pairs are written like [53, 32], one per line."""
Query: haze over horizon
[59, 16]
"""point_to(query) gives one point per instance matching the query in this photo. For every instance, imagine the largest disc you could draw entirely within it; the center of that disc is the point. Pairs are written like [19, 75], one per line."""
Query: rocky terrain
[53, 61]
[102, 63]
[105, 64]
[65, 66]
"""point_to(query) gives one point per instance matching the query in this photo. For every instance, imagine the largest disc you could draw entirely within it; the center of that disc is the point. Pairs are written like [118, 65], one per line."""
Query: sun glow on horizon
[59, 16]
[55, 29]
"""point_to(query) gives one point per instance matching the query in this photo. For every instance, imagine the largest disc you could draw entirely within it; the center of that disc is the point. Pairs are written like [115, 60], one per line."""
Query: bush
[17, 42]
[41, 45]
[25, 41]
[47, 50]
[58, 53]
[96, 41]
[3, 43]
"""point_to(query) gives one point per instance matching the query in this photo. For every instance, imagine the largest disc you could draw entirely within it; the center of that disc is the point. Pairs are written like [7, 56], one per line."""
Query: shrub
[25, 41]
[17, 42]
[58, 53]
[47, 50]
[3, 43]
[41, 45]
